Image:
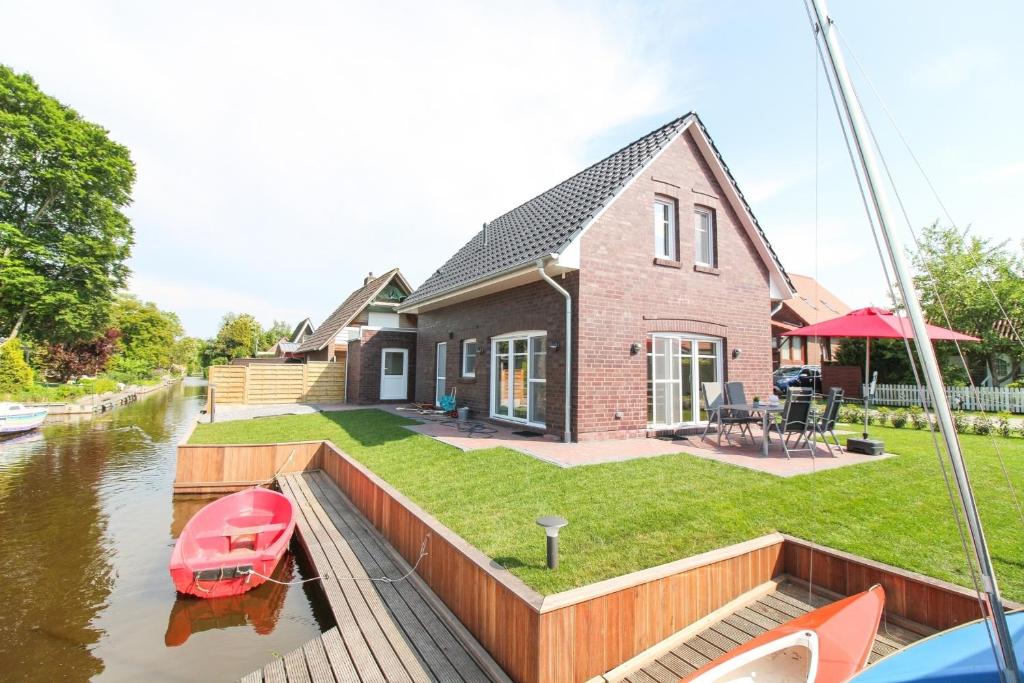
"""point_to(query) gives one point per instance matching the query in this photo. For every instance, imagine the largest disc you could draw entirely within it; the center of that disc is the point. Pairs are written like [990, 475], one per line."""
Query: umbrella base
[865, 446]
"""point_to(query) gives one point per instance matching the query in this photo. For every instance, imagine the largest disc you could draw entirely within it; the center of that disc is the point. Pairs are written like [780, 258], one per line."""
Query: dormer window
[665, 237]
[704, 236]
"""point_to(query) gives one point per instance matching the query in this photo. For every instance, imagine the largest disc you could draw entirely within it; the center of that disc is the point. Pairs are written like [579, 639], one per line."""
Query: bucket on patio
[463, 413]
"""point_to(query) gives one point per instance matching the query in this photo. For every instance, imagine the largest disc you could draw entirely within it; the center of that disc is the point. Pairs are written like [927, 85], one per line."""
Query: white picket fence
[993, 399]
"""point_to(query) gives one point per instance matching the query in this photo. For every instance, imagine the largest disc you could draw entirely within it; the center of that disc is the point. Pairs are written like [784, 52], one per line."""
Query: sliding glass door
[676, 365]
[519, 378]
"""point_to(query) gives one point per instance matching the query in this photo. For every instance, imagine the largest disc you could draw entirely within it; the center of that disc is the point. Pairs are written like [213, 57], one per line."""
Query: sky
[286, 149]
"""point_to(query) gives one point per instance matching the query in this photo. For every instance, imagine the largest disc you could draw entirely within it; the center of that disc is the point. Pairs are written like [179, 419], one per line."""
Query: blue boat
[958, 655]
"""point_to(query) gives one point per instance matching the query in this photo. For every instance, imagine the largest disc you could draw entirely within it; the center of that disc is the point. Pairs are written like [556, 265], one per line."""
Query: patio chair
[826, 424]
[796, 419]
[736, 395]
[713, 400]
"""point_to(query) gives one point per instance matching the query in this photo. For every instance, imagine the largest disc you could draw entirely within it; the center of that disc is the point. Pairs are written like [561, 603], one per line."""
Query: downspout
[568, 348]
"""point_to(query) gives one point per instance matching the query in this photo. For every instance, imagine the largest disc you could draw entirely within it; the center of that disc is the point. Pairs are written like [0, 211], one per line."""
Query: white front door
[442, 361]
[394, 375]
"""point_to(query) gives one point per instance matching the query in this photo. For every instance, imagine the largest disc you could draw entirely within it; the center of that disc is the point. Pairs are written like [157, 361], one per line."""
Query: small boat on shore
[828, 645]
[16, 418]
[233, 544]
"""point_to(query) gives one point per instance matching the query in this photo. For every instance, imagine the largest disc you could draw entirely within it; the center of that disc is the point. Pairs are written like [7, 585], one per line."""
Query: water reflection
[86, 510]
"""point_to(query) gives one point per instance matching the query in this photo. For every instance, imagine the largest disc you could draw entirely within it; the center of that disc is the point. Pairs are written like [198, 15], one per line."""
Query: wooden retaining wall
[260, 383]
[224, 469]
[584, 632]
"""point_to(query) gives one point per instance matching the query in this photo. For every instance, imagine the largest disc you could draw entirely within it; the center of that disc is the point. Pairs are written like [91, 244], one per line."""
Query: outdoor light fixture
[554, 345]
[552, 524]
[634, 348]
[736, 353]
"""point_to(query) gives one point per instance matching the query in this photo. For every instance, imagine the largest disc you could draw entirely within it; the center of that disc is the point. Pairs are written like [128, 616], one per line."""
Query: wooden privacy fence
[259, 383]
[992, 399]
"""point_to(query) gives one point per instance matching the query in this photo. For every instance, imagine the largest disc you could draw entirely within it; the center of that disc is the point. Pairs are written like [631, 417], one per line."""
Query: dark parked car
[797, 376]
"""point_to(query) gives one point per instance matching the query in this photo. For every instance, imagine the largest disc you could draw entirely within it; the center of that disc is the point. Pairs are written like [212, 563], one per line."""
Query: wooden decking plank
[365, 667]
[389, 646]
[729, 631]
[371, 641]
[770, 612]
[740, 624]
[253, 677]
[690, 656]
[342, 666]
[756, 618]
[446, 656]
[660, 672]
[709, 650]
[274, 672]
[316, 660]
[676, 665]
[641, 676]
[295, 667]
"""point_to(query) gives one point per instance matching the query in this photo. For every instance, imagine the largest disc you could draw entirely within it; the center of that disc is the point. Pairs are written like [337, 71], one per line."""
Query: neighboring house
[670, 280]
[1002, 369]
[303, 330]
[288, 347]
[369, 334]
[811, 304]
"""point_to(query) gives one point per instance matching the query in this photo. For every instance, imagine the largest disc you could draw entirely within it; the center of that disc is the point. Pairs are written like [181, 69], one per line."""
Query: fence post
[245, 385]
[213, 402]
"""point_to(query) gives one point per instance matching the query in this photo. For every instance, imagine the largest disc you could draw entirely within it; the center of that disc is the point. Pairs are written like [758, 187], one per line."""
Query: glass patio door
[676, 365]
[518, 379]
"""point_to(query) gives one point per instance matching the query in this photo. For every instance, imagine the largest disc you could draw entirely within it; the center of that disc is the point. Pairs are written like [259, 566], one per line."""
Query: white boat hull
[15, 418]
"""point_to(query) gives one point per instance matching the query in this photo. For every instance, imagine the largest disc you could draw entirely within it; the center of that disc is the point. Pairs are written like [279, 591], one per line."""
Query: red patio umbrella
[873, 323]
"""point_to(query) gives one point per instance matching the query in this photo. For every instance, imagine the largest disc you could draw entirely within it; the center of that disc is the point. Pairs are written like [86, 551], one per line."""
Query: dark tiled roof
[344, 313]
[547, 223]
[298, 328]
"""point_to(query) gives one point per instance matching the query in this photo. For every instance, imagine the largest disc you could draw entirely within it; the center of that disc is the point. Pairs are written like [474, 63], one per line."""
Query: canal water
[87, 524]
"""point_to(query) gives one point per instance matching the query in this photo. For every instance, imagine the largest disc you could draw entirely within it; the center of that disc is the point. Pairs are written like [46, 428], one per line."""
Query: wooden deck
[385, 631]
[762, 614]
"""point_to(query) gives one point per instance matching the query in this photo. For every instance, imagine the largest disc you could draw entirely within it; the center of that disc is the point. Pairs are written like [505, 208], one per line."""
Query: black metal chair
[736, 395]
[826, 424]
[797, 418]
[711, 393]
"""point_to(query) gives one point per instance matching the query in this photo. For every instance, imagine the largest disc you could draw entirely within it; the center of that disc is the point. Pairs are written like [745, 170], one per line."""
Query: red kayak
[828, 645]
[232, 544]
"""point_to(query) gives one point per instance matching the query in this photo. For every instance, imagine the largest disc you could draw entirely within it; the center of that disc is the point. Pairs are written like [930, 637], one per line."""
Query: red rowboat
[828, 645]
[232, 544]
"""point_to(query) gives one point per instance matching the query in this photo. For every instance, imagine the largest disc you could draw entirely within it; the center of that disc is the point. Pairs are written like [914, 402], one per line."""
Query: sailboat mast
[1005, 657]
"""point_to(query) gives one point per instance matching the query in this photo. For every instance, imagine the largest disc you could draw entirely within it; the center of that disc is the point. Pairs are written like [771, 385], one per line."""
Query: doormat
[527, 434]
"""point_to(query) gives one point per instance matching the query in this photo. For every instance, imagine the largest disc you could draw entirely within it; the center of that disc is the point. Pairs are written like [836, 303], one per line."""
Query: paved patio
[478, 434]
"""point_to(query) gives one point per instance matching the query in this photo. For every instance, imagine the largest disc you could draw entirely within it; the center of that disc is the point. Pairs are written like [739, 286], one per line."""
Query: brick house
[658, 263]
[374, 340]
[811, 304]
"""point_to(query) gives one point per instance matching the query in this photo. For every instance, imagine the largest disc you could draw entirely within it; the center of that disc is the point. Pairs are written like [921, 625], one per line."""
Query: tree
[968, 276]
[64, 239]
[188, 353]
[149, 336]
[274, 333]
[239, 337]
[15, 373]
[67, 361]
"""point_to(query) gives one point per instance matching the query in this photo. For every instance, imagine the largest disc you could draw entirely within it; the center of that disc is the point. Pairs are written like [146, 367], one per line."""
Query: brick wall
[847, 377]
[624, 295]
[366, 365]
[535, 306]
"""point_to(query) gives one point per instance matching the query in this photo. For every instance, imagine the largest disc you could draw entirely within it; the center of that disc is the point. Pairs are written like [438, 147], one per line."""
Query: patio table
[766, 410]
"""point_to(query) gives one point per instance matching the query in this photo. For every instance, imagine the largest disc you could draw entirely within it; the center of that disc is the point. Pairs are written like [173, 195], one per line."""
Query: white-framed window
[469, 358]
[519, 377]
[704, 236]
[665, 238]
[676, 366]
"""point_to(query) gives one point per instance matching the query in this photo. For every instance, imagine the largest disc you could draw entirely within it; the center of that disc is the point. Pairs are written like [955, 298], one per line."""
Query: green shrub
[15, 373]
[918, 418]
[982, 425]
[100, 385]
[961, 422]
[851, 414]
[1003, 427]
[899, 419]
[884, 415]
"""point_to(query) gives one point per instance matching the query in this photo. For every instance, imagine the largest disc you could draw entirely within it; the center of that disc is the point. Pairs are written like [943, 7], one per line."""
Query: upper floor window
[469, 358]
[665, 238]
[704, 236]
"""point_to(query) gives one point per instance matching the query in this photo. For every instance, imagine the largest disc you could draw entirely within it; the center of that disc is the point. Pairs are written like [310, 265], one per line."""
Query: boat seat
[242, 531]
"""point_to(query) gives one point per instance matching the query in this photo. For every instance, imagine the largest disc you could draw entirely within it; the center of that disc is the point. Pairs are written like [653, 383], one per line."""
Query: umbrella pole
[867, 383]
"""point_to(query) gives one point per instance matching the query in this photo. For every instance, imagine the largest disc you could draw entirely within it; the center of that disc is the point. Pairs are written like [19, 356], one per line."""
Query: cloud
[958, 67]
[284, 149]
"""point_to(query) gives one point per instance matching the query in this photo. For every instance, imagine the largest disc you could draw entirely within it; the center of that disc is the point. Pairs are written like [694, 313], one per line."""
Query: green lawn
[631, 515]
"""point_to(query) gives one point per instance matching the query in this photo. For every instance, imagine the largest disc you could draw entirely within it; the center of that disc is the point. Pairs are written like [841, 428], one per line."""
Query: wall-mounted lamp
[736, 353]
[451, 335]
[554, 345]
[552, 524]
[634, 348]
